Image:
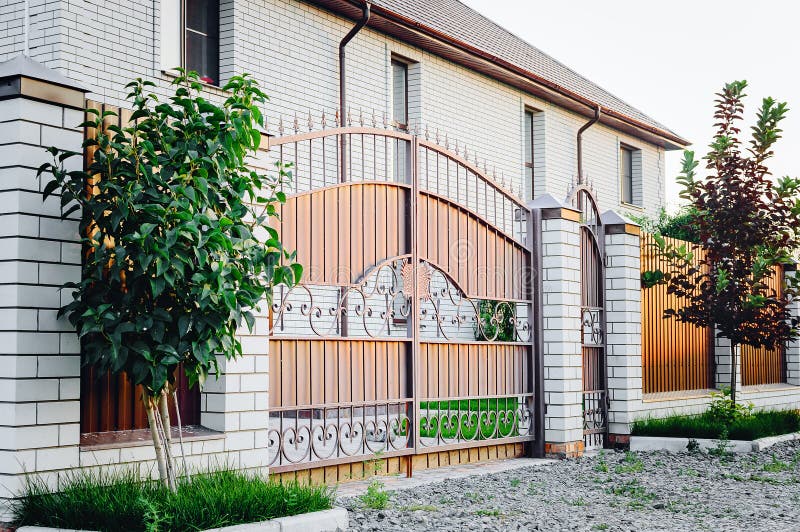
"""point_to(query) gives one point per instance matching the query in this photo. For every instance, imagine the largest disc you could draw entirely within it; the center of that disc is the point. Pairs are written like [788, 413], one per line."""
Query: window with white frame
[190, 37]
[533, 135]
[630, 175]
[400, 93]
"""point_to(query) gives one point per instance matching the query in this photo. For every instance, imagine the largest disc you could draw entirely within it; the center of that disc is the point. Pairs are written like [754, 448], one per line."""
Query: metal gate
[595, 379]
[412, 331]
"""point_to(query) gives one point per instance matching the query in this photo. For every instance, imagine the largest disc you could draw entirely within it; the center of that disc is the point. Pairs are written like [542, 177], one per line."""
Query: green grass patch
[472, 415]
[749, 427]
[123, 502]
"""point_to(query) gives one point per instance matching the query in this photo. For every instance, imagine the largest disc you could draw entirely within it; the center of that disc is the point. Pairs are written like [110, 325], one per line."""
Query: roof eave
[438, 43]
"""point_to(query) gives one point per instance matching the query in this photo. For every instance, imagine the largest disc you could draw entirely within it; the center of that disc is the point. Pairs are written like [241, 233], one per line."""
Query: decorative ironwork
[447, 421]
[592, 326]
[373, 304]
[308, 435]
[595, 418]
[417, 282]
[449, 314]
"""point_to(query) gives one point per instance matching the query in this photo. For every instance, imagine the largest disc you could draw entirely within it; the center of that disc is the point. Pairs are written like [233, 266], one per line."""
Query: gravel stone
[613, 491]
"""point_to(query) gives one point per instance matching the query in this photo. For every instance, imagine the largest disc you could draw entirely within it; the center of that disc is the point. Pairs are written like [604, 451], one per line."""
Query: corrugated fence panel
[762, 365]
[675, 356]
[679, 356]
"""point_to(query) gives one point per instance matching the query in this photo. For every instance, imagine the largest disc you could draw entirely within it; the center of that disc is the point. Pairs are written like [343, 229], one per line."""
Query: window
[532, 151]
[400, 93]
[528, 140]
[626, 173]
[190, 37]
[630, 175]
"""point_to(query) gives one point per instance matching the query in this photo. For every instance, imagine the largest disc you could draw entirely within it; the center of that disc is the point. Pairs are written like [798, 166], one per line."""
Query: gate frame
[582, 197]
[530, 284]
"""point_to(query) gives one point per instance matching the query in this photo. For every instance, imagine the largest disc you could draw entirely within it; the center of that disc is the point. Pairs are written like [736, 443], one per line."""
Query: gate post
[623, 324]
[561, 334]
[792, 348]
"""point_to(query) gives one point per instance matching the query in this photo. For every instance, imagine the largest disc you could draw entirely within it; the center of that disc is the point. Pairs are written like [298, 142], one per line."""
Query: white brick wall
[291, 47]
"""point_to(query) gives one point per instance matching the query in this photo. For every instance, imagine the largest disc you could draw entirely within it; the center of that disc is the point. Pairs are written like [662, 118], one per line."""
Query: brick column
[561, 300]
[722, 364]
[39, 354]
[623, 324]
[793, 348]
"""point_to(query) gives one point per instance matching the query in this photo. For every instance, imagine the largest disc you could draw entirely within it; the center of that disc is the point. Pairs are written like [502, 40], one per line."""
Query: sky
[668, 59]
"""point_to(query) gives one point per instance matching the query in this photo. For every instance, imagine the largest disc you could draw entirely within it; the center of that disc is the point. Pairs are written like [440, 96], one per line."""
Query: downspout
[343, 322]
[583, 128]
[343, 88]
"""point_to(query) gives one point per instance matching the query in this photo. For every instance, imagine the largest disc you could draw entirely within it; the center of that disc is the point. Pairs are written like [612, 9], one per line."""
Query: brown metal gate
[595, 378]
[412, 330]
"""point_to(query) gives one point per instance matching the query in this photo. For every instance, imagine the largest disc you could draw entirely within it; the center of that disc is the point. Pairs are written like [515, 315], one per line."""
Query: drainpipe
[343, 322]
[583, 128]
[343, 88]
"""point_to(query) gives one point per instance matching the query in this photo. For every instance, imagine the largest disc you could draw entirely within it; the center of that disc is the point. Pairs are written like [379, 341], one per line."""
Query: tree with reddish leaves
[748, 225]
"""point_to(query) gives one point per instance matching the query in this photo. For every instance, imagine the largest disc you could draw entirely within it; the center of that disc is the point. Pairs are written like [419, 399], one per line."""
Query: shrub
[724, 410]
[125, 502]
[376, 497]
[681, 225]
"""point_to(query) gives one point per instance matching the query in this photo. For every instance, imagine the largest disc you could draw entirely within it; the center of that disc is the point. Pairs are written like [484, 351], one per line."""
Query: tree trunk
[158, 419]
[166, 431]
[155, 433]
[180, 434]
[733, 373]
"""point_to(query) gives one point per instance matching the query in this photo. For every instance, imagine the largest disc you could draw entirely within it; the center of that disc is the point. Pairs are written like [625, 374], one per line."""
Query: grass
[638, 494]
[375, 498]
[776, 466]
[448, 415]
[122, 501]
[630, 464]
[751, 427]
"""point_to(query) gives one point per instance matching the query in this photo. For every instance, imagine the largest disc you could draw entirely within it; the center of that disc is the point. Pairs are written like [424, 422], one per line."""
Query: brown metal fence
[680, 356]
[675, 356]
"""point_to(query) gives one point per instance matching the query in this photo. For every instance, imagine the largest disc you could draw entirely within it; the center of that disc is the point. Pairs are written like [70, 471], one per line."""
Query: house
[464, 126]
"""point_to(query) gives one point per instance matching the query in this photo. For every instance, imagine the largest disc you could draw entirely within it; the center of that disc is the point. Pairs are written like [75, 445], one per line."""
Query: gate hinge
[608, 400]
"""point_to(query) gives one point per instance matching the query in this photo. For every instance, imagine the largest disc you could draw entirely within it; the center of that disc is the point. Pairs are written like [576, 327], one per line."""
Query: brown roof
[465, 28]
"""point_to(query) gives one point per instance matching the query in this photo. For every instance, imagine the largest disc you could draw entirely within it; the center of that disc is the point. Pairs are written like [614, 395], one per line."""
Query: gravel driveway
[610, 491]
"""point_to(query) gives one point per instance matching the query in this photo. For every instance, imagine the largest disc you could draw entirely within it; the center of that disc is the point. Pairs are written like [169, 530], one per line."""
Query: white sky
[668, 59]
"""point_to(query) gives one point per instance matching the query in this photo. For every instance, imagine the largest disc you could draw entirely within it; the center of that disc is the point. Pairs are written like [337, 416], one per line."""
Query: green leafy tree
[748, 225]
[178, 247]
[680, 225]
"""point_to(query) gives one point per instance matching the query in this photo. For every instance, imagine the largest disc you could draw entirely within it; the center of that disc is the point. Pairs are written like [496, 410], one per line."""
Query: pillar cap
[615, 223]
[554, 208]
[22, 76]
